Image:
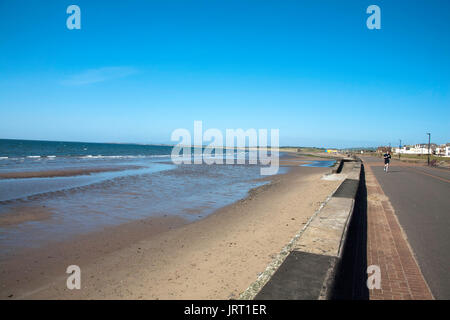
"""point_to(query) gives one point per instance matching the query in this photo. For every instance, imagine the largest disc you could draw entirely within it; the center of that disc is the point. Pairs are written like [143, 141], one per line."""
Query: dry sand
[165, 258]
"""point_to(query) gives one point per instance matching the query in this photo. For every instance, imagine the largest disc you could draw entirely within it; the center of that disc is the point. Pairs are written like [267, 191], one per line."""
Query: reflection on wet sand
[62, 172]
[21, 214]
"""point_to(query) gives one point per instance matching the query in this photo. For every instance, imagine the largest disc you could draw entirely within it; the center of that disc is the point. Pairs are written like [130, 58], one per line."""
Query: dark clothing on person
[387, 158]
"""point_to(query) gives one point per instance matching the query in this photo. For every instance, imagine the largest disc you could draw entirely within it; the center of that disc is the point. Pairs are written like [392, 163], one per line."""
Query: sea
[111, 184]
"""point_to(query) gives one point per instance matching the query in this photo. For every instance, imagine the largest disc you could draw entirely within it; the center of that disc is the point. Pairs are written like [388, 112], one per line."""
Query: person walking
[387, 159]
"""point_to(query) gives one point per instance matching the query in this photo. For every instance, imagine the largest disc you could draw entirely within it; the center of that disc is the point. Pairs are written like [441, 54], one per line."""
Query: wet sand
[62, 173]
[20, 214]
[217, 257]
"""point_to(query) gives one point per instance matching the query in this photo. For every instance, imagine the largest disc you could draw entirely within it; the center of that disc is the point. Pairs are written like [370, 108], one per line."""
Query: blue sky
[137, 70]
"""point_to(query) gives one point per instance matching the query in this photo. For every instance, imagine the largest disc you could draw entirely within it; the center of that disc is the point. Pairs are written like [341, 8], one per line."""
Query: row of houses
[419, 149]
[443, 150]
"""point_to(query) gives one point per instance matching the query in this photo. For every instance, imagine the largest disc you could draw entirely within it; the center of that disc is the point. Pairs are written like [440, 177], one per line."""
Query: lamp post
[429, 140]
[399, 149]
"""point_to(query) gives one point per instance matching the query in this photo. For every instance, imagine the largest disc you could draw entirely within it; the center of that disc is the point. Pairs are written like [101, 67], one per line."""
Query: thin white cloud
[98, 75]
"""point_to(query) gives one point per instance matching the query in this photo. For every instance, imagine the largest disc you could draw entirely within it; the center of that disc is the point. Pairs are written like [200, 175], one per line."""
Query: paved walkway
[387, 247]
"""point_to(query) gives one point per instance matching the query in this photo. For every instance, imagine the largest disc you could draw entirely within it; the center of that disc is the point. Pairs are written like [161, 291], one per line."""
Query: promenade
[407, 229]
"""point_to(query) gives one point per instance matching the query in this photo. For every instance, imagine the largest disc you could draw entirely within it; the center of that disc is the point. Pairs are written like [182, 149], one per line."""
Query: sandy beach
[217, 257]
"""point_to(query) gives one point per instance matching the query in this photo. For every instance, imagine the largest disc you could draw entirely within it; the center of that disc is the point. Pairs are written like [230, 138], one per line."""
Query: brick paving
[387, 247]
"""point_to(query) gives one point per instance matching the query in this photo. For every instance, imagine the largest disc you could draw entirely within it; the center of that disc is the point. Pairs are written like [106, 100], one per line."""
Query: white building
[417, 149]
[443, 150]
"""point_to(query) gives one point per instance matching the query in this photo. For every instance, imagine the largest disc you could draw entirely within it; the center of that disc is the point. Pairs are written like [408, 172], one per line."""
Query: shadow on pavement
[351, 282]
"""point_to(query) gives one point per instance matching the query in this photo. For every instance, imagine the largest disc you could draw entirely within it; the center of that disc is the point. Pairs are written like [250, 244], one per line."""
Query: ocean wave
[160, 156]
[89, 156]
[124, 156]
